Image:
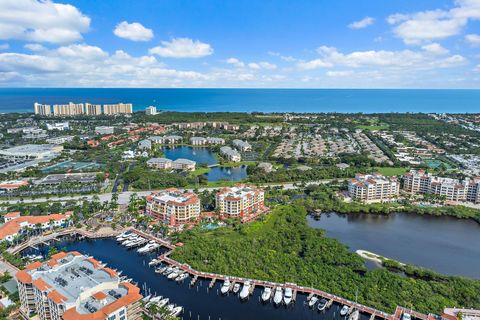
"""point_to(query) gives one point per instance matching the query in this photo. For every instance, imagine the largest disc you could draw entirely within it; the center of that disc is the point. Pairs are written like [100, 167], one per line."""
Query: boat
[163, 302]
[148, 247]
[160, 269]
[153, 262]
[312, 301]
[287, 298]
[153, 300]
[266, 294]
[322, 304]
[344, 310]
[245, 290]
[147, 298]
[354, 316]
[168, 270]
[236, 287]
[406, 316]
[174, 274]
[226, 286]
[182, 277]
[169, 308]
[176, 311]
[278, 296]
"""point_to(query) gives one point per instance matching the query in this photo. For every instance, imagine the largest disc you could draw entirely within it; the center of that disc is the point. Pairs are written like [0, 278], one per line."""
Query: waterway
[444, 244]
[200, 303]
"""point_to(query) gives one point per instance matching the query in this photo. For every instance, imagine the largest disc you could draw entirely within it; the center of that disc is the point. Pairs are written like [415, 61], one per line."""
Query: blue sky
[177, 43]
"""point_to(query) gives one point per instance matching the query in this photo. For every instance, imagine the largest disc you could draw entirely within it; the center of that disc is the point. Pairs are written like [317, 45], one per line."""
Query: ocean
[251, 100]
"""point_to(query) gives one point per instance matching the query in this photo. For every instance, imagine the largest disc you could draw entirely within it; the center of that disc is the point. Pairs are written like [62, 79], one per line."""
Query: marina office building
[373, 188]
[240, 200]
[71, 286]
[173, 206]
[421, 182]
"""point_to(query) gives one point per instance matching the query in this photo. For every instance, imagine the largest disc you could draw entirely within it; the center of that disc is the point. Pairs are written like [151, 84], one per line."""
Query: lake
[197, 154]
[227, 173]
[444, 244]
[199, 302]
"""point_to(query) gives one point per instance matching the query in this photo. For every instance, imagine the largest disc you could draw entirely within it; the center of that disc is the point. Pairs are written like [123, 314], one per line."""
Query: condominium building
[42, 109]
[242, 145]
[230, 154]
[239, 200]
[60, 126]
[183, 164]
[70, 109]
[198, 141]
[159, 163]
[421, 182]
[118, 108]
[373, 188]
[71, 286]
[173, 206]
[213, 140]
[151, 111]
[104, 130]
[93, 109]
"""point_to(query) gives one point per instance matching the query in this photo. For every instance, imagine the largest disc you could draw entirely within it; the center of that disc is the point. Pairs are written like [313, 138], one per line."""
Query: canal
[200, 303]
[445, 244]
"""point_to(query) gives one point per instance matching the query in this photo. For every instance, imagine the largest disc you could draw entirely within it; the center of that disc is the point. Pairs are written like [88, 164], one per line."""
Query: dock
[212, 283]
[193, 281]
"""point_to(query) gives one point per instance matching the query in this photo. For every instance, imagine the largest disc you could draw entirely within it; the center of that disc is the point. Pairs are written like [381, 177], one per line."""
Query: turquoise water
[249, 100]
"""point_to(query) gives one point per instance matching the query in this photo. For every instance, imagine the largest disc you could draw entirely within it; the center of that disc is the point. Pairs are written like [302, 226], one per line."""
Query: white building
[213, 140]
[104, 130]
[198, 141]
[118, 108]
[173, 206]
[60, 126]
[240, 200]
[151, 111]
[242, 145]
[42, 109]
[184, 164]
[159, 163]
[32, 151]
[373, 188]
[230, 154]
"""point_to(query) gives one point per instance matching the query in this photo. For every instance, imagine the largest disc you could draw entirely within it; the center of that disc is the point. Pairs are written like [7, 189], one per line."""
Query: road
[124, 197]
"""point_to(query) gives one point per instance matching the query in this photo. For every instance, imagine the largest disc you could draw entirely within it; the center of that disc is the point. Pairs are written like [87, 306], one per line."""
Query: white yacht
[266, 294]
[278, 296]
[182, 277]
[236, 287]
[153, 262]
[226, 286]
[176, 311]
[312, 301]
[344, 310]
[354, 316]
[245, 290]
[322, 304]
[287, 298]
[174, 274]
[163, 302]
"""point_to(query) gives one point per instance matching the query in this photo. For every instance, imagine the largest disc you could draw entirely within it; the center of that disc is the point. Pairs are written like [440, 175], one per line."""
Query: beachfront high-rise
[173, 206]
[71, 286]
[70, 109]
[118, 108]
[75, 109]
[93, 109]
[42, 109]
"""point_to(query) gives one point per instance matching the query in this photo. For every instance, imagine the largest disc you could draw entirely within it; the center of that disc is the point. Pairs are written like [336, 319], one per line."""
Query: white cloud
[435, 48]
[262, 65]
[133, 31]
[34, 47]
[182, 48]
[41, 21]
[339, 74]
[314, 64]
[234, 61]
[360, 24]
[82, 51]
[473, 39]
[430, 25]
[4, 46]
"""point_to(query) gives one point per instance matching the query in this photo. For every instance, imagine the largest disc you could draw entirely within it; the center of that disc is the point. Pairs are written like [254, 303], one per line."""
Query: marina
[160, 276]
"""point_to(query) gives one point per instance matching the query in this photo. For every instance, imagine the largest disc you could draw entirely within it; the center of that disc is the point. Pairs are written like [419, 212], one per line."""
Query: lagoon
[227, 173]
[201, 155]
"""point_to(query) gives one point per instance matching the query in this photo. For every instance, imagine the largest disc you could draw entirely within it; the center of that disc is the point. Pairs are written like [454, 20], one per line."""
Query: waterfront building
[184, 164]
[67, 110]
[172, 139]
[213, 140]
[16, 225]
[198, 141]
[42, 109]
[71, 286]
[145, 145]
[93, 109]
[373, 188]
[159, 163]
[104, 130]
[421, 182]
[242, 145]
[157, 139]
[60, 126]
[173, 206]
[230, 154]
[240, 200]
[118, 108]
[151, 111]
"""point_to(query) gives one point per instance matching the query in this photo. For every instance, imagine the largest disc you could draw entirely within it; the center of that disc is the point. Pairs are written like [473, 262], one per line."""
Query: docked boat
[174, 274]
[160, 269]
[169, 308]
[168, 271]
[163, 302]
[355, 315]
[312, 301]
[322, 304]
[236, 287]
[153, 262]
[147, 298]
[344, 310]
[148, 247]
[266, 294]
[176, 311]
[226, 286]
[182, 277]
[278, 296]
[287, 298]
[153, 300]
[245, 290]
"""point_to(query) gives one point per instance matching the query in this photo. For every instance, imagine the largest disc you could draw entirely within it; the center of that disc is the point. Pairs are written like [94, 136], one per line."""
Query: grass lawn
[391, 171]
[372, 127]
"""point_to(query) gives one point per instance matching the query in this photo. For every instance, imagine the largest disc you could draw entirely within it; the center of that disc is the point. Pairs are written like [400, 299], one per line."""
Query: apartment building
[42, 109]
[230, 154]
[239, 200]
[159, 163]
[198, 141]
[71, 286]
[118, 108]
[104, 130]
[16, 225]
[93, 109]
[173, 206]
[421, 182]
[373, 188]
[151, 111]
[68, 110]
[242, 145]
[184, 164]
